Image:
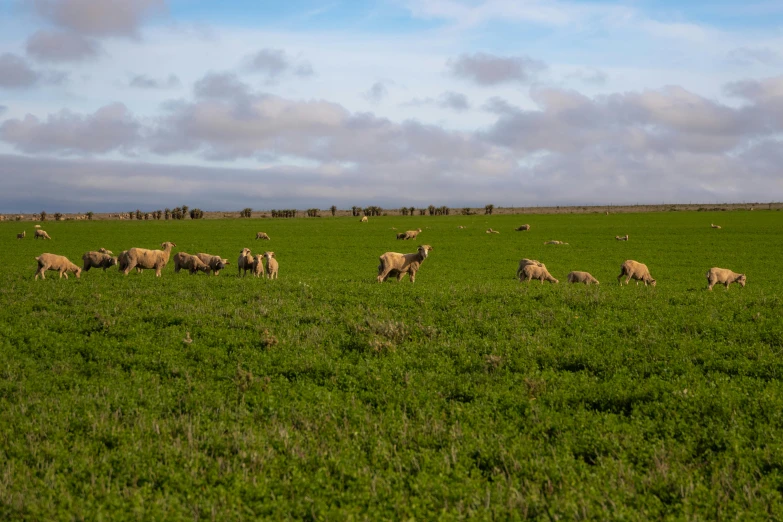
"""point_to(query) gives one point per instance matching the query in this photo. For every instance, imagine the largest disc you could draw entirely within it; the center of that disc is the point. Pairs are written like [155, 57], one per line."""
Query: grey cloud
[98, 17]
[273, 63]
[753, 56]
[497, 105]
[61, 46]
[454, 100]
[591, 76]
[221, 86]
[3, 109]
[768, 89]
[304, 70]
[487, 69]
[15, 73]
[376, 92]
[142, 81]
[111, 127]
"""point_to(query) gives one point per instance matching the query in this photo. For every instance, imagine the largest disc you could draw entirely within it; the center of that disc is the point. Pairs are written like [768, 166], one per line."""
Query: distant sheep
[245, 262]
[622, 238]
[57, 263]
[581, 277]
[460, 227]
[42, 234]
[635, 270]
[522, 228]
[490, 231]
[98, 260]
[37, 226]
[272, 266]
[411, 234]
[215, 263]
[555, 242]
[714, 226]
[22, 235]
[725, 277]
[395, 264]
[149, 259]
[364, 219]
[525, 262]
[538, 272]
[189, 262]
[262, 235]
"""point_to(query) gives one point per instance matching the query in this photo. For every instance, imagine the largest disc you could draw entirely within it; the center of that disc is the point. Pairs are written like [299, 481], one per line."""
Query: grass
[325, 395]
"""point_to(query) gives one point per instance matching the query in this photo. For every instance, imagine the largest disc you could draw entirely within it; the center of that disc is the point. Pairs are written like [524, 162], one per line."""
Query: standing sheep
[258, 266]
[525, 262]
[245, 262]
[411, 234]
[522, 228]
[637, 271]
[98, 260]
[271, 265]
[42, 234]
[263, 235]
[149, 259]
[57, 263]
[538, 272]
[622, 238]
[123, 261]
[22, 235]
[190, 262]
[395, 264]
[363, 220]
[725, 277]
[581, 277]
[215, 263]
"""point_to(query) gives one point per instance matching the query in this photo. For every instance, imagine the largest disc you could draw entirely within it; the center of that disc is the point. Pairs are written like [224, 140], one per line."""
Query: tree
[488, 209]
[246, 212]
[131, 214]
[184, 211]
[333, 209]
[412, 209]
[167, 213]
[43, 215]
[138, 214]
[90, 215]
[58, 216]
[404, 211]
[196, 213]
[431, 209]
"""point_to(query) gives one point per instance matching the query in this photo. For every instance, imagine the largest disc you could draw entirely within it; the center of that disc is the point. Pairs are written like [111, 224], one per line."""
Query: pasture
[325, 395]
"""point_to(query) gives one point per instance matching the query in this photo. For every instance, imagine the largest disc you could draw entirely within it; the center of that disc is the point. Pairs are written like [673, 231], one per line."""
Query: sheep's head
[652, 282]
[77, 271]
[112, 261]
[742, 280]
[167, 245]
[424, 250]
[269, 254]
[245, 252]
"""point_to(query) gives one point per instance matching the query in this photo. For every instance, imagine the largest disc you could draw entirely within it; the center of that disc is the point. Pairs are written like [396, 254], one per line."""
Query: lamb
[57, 263]
[714, 226]
[525, 262]
[22, 235]
[98, 260]
[245, 262]
[215, 263]
[725, 277]
[555, 242]
[262, 235]
[635, 270]
[522, 228]
[271, 265]
[144, 258]
[538, 272]
[42, 234]
[258, 266]
[581, 277]
[490, 231]
[622, 238]
[411, 234]
[395, 264]
[192, 263]
[363, 220]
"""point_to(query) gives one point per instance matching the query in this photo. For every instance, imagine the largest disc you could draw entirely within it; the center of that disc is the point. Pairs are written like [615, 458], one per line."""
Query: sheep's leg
[131, 266]
[40, 272]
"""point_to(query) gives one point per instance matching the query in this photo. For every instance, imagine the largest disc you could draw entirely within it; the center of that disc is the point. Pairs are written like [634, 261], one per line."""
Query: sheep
[271, 265]
[263, 235]
[581, 277]
[57, 263]
[401, 235]
[42, 234]
[555, 242]
[635, 270]
[714, 226]
[258, 266]
[522, 228]
[411, 234]
[192, 263]
[22, 235]
[460, 227]
[622, 238]
[245, 262]
[123, 261]
[144, 258]
[525, 262]
[37, 226]
[395, 264]
[725, 277]
[104, 251]
[98, 260]
[490, 231]
[538, 272]
[363, 220]
[215, 263]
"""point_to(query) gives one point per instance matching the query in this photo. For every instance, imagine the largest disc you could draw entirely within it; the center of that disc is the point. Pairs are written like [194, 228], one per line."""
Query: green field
[325, 395]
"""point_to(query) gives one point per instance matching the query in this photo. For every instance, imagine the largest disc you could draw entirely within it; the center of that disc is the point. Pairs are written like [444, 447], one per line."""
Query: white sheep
[258, 266]
[123, 261]
[42, 234]
[37, 226]
[189, 262]
[98, 260]
[622, 238]
[714, 226]
[522, 228]
[581, 277]
[22, 235]
[215, 263]
[395, 264]
[525, 262]
[149, 259]
[537, 272]
[725, 277]
[263, 235]
[637, 271]
[245, 262]
[57, 263]
[272, 266]
[411, 234]
[363, 220]
[555, 242]
[490, 231]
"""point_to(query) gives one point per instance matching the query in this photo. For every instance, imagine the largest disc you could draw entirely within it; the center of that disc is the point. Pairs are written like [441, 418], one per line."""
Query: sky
[148, 104]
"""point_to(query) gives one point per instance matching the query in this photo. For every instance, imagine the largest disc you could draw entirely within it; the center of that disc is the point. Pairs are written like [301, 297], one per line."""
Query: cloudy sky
[244, 103]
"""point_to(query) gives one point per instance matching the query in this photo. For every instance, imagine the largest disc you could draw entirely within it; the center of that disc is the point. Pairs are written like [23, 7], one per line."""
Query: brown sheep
[538, 272]
[22, 235]
[725, 277]
[57, 263]
[622, 238]
[190, 262]
[123, 262]
[637, 271]
[245, 262]
[271, 265]
[395, 264]
[581, 277]
[215, 263]
[411, 234]
[149, 259]
[42, 234]
[263, 235]
[524, 262]
[522, 228]
[98, 260]
[104, 251]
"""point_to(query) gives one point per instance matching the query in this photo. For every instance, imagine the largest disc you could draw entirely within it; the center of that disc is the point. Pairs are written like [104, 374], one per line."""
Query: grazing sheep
[395, 264]
[245, 262]
[42, 234]
[104, 251]
[37, 226]
[22, 235]
[581, 277]
[555, 242]
[622, 238]
[411, 234]
[401, 235]
[714, 226]
[98, 260]
[490, 231]
[522, 228]
[190, 262]
[460, 227]
[725, 277]
[263, 235]
[258, 266]
[363, 220]
[525, 262]
[271, 265]
[149, 259]
[57, 263]
[215, 263]
[635, 270]
[538, 272]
